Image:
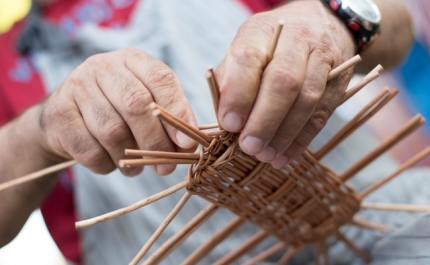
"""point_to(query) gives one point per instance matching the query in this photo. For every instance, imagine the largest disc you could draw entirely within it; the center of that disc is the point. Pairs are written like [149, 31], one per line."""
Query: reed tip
[153, 105]
[358, 58]
[156, 112]
[379, 68]
[208, 74]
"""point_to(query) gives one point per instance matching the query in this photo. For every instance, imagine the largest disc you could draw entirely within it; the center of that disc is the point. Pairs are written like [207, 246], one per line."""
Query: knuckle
[114, 132]
[310, 97]
[283, 139]
[128, 82]
[248, 56]
[161, 77]
[317, 121]
[136, 102]
[159, 141]
[96, 61]
[95, 157]
[129, 50]
[261, 22]
[97, 64]
[73, 80]
[180, 111]
[287, 79]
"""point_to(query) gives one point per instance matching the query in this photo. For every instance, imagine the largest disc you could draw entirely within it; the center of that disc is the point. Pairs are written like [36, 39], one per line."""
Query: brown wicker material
[300, 204]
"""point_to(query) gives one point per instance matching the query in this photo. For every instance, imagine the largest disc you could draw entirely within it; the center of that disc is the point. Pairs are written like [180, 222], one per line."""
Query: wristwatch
[362, 18]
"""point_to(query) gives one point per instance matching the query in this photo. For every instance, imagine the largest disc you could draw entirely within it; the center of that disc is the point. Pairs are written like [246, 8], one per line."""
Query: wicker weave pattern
[300, 204]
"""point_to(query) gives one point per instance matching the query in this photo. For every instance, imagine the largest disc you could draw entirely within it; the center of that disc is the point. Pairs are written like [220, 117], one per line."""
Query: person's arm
[21, 153]
[396, 36]
[100, 110]
[281, 105]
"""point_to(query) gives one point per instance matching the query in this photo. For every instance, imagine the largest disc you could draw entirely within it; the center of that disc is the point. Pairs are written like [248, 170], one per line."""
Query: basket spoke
[242, 249]
[161, 228]
[287, 256]
[214, 240]
[353, 246]
[173, 242]
[407, 129]
[415, 159]
[395, 207]
[133, 207]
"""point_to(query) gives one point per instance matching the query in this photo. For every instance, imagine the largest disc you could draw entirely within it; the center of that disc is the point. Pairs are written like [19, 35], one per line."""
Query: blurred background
[34, 245]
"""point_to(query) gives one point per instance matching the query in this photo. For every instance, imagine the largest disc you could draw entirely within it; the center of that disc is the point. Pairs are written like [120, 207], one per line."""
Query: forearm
[21, 154]
[395, 39]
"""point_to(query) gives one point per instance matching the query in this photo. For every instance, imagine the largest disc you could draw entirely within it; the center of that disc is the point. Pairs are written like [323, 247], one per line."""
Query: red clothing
[21, 86]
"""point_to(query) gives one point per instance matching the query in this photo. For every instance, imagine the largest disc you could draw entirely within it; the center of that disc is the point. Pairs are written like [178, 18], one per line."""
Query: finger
[281, 83]
[73, 136]
[105, 124]
[166, 91]
[131, 99]
[325, 108]
[305, 104]
[240, 72]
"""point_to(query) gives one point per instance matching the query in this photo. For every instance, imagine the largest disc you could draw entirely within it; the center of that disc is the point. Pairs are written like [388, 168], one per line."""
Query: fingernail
[163, 170]
[183, 140]
[267, 155]
[252, 145]
[134, 171]
[280, 162]
[232, 122]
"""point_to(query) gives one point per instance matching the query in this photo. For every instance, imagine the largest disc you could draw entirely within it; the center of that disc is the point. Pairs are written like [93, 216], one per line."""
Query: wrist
[345, 33]
[30, 131]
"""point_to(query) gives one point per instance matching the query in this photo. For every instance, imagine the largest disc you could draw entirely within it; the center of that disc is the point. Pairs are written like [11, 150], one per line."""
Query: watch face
[365, 9]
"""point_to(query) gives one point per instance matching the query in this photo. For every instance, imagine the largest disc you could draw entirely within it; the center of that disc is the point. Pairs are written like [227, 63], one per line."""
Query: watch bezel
[370, 25]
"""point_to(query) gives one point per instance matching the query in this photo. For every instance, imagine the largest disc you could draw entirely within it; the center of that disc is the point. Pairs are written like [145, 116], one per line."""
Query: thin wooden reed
[213, 88]
[213, 241]
[130, 208]
[266, 254]
[395, 207]
[200, 137]
[242, 249]
[275, 39]
[352, 125]
[345, 66]
[366, 80]
[161, 228]
[173, 242]
[369, 225]
[287, 256]
[418, 157]
[353, 246]
[407, 129]
[36, 175]
[128, 163]
[162, 154]
[208, 126]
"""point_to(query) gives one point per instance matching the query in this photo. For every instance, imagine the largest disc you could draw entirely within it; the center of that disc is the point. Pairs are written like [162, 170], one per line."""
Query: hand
[103, 108]
[281, 105]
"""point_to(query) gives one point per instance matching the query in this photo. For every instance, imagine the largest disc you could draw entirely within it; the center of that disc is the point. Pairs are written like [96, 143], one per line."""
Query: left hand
[281, 105]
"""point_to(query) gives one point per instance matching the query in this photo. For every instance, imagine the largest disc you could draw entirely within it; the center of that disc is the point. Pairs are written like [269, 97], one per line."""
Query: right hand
[102, 108]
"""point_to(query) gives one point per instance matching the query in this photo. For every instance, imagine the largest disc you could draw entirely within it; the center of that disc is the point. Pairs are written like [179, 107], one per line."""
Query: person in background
[99, 90]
